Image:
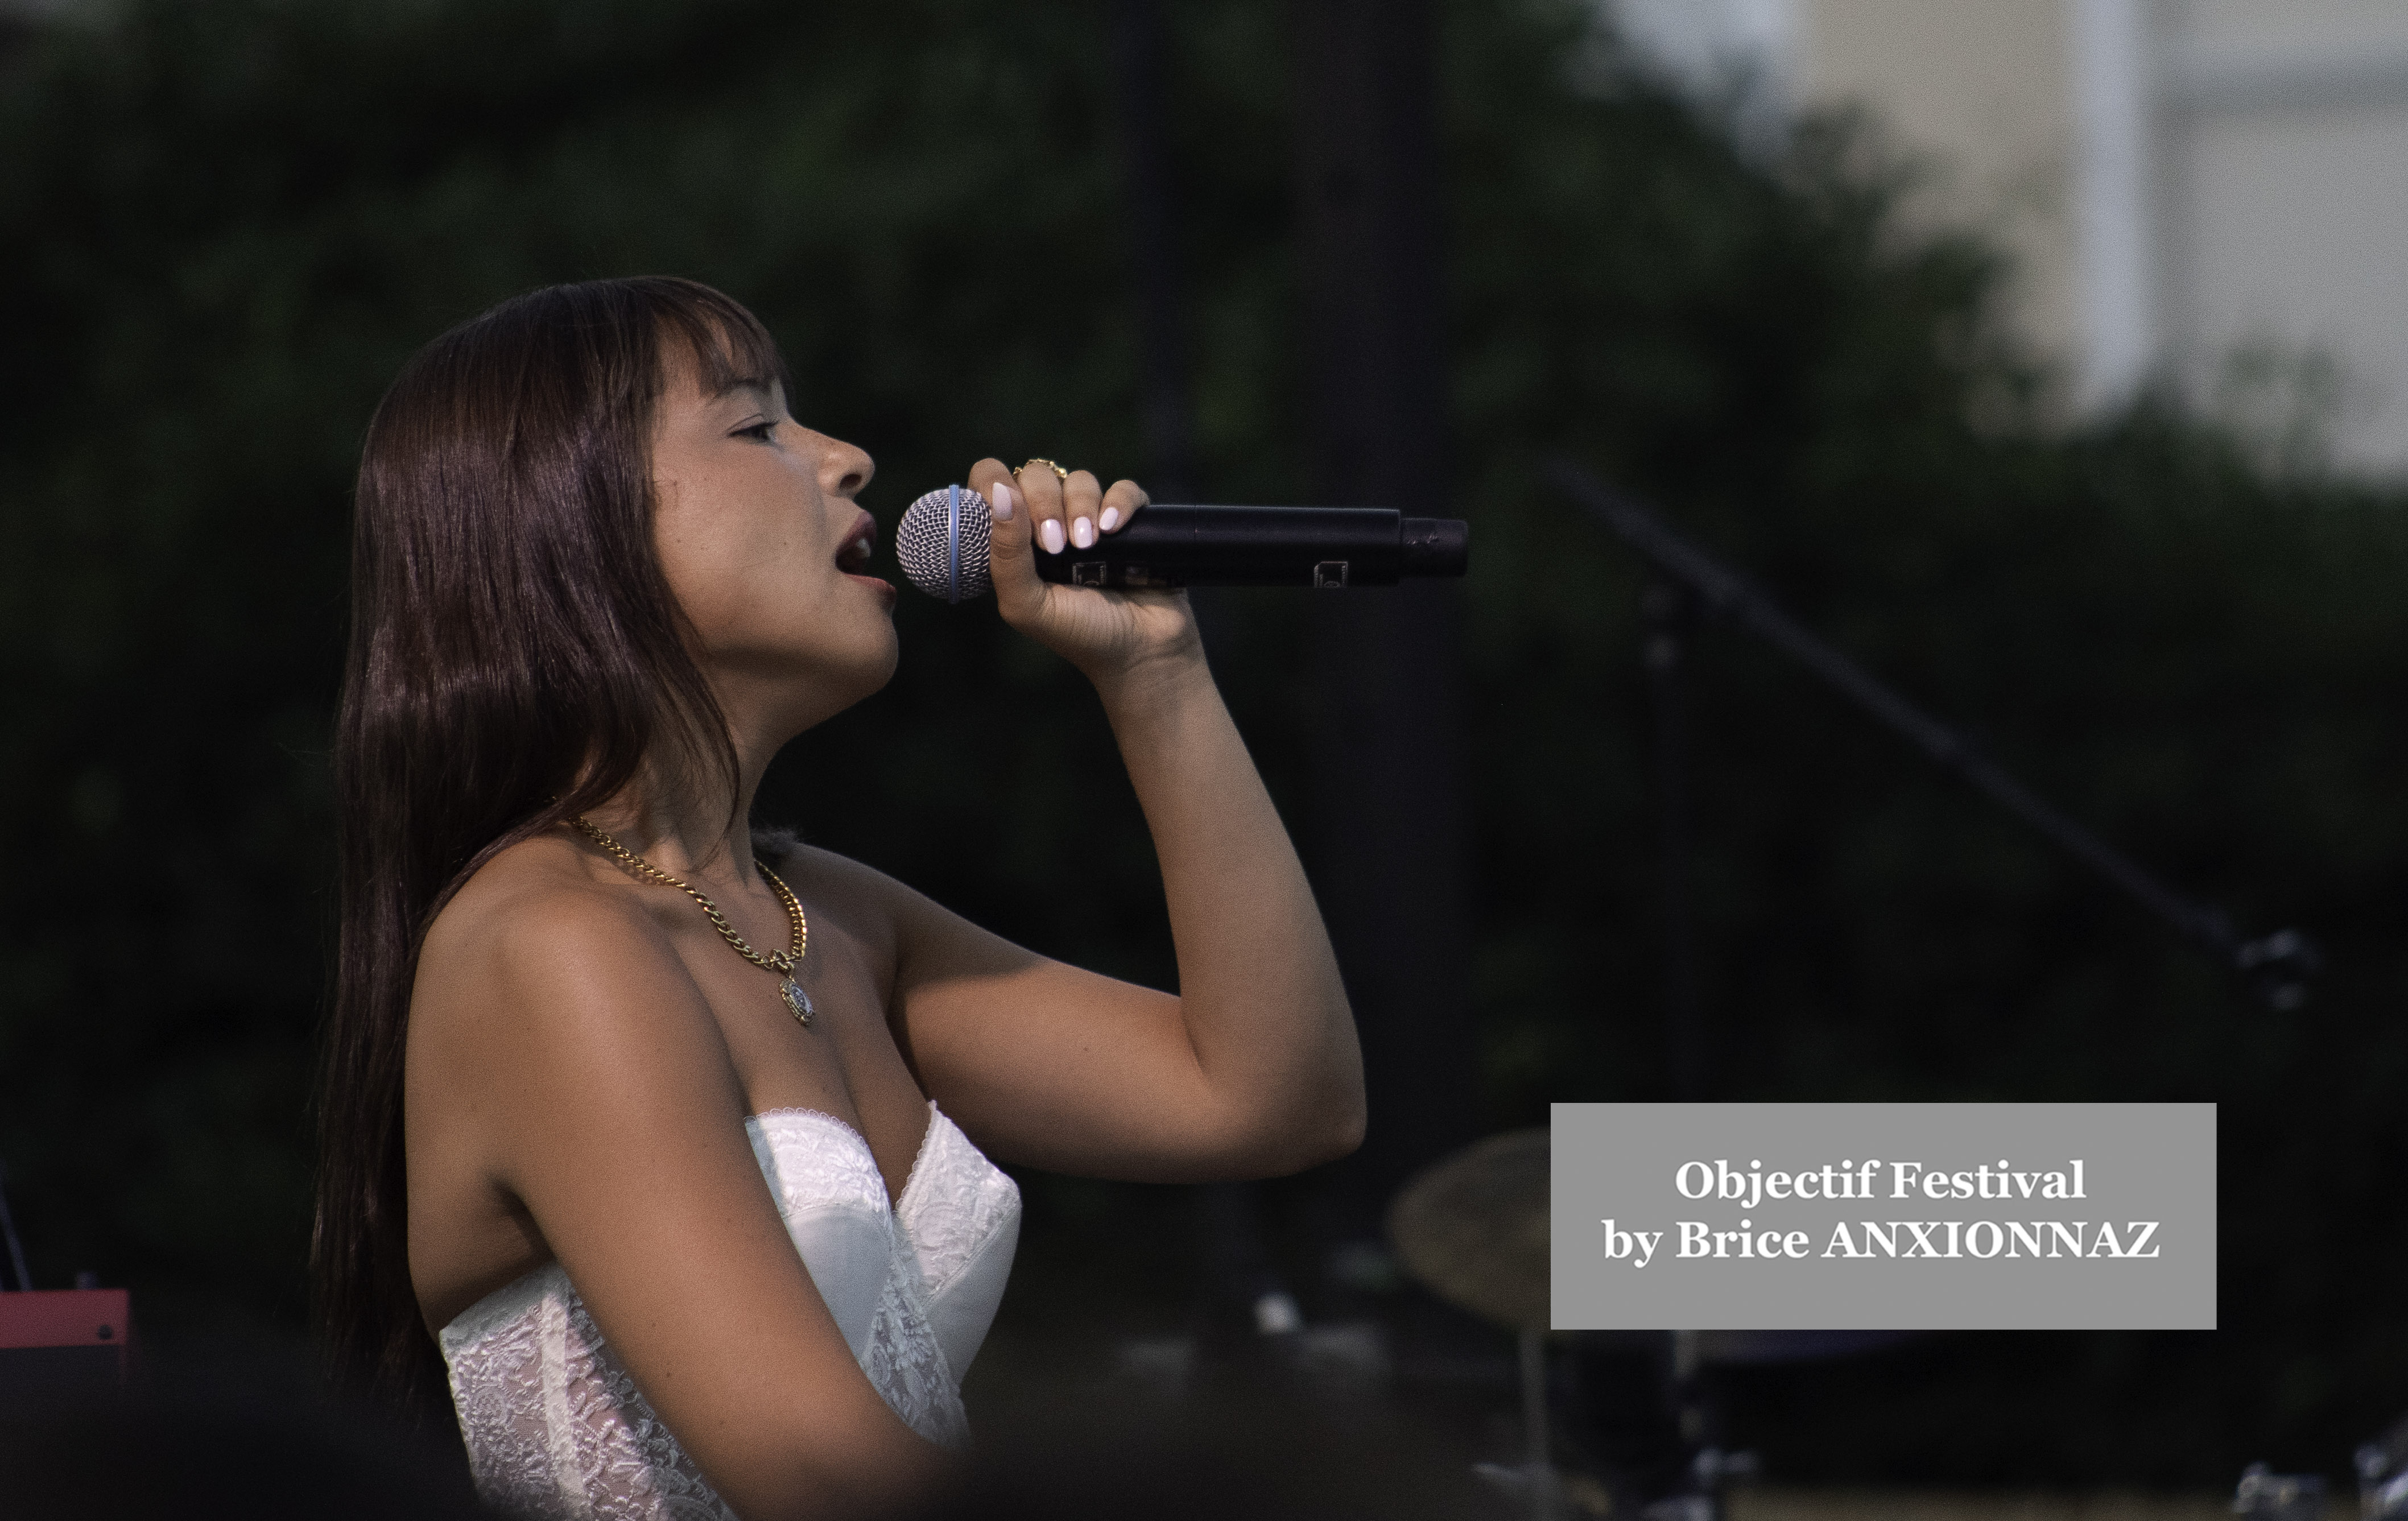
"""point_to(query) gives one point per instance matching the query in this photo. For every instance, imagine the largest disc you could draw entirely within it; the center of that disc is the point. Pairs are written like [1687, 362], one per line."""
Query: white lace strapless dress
[554, 1425]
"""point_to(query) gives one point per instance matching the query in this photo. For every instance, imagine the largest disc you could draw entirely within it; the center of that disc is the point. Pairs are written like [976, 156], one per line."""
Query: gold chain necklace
[784, 963]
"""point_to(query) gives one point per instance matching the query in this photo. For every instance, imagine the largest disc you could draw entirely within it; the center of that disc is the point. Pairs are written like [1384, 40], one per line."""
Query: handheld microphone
[942, 543]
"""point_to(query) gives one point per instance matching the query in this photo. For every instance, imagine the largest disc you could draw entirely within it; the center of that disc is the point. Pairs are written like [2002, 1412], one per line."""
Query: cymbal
[1473, 1227]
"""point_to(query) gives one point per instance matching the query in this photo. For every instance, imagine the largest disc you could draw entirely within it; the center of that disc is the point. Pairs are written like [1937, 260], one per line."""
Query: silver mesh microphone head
[941, 543]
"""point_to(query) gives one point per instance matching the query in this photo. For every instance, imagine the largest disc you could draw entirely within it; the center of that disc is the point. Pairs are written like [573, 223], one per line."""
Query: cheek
[691, 553]
[697, 570]
[729, 570]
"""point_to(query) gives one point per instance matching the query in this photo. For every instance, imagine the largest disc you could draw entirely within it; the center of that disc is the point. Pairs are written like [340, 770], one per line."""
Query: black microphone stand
[1687, 581]
[2277, 967]
[8, 1234]
[1666, 612]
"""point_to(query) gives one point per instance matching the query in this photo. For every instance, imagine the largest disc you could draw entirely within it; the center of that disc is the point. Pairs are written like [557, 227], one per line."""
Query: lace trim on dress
[847, 1126]
[505, 1304]
[554, 1425]
[927, 1137]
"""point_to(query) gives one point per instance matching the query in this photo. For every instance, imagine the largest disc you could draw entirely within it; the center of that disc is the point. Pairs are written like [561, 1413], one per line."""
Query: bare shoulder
[909, 933]
[864, 898]
[544, 877]
[535, 911]
[539, 973]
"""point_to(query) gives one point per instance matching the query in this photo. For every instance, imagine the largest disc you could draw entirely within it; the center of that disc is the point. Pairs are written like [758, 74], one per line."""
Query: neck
[683, 824]
[675, 814]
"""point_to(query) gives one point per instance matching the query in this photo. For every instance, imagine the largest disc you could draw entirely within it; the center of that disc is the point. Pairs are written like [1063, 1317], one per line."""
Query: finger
[992, 480]
[1083, 503]
[1120, 504]
[1042, 489]
[1009, 564]
[984, 477]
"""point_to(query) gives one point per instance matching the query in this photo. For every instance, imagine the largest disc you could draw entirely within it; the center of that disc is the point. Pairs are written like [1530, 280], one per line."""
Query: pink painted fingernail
[1003, 502]
[1082, 533]
[1051, 536]
[1111, 519]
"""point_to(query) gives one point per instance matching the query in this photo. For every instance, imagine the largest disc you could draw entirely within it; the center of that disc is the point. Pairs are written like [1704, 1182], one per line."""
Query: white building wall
[2286, 128]
[2211, 195]
[2114, 346]
[1975, 95]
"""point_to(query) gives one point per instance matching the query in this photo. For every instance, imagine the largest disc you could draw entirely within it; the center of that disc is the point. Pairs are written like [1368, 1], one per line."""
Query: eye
[760, 432]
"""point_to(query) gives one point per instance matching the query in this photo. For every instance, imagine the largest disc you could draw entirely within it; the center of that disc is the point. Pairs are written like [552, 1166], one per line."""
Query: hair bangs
[729, 347]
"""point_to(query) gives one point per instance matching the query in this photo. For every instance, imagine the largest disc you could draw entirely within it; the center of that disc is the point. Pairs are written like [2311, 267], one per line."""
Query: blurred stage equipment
[941, 544]
[62, 1344]
[2277, 967]
[1475, 1228]
[2383, 1476]
[57, 1344]
[2267, 1495]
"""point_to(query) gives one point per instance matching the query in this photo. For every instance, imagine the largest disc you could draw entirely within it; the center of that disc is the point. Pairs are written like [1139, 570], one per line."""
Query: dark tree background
[223, 225]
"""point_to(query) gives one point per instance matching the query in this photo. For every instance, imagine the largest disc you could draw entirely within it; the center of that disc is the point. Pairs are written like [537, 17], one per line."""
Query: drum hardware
[2264, 1495]
[1473, 1227]
[2383, 1476]
[1711, 1472]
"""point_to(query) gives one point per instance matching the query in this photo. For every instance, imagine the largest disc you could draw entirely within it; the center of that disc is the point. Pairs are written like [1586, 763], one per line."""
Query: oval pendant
[798, 1002]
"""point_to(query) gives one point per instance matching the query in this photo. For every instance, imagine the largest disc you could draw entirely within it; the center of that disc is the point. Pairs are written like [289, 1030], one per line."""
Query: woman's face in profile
[765, 551]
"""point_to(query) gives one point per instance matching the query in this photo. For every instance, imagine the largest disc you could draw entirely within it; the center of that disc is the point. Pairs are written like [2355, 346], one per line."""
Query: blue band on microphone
[954, 543]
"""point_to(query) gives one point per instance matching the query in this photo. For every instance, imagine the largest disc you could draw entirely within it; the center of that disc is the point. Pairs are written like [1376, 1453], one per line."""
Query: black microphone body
[942, 542]
[1169, 544]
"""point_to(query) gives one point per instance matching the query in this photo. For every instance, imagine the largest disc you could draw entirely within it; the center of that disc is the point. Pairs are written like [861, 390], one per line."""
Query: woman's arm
[1253, 1069]
[565, 1049]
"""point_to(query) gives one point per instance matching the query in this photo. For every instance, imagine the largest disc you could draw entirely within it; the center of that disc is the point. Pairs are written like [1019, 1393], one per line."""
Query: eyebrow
[763, 389]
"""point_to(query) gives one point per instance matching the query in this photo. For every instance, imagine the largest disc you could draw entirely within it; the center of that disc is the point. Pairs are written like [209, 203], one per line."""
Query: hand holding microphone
[1045, 509]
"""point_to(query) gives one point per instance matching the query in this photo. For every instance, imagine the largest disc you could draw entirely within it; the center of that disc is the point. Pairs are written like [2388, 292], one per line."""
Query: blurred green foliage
[222, 226]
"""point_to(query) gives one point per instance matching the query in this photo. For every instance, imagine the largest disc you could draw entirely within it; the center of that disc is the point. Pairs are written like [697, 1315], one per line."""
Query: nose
[845, 469]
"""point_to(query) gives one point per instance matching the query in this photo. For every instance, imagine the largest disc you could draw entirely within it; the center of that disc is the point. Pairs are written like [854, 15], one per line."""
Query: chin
[863, 673]
[882, 670]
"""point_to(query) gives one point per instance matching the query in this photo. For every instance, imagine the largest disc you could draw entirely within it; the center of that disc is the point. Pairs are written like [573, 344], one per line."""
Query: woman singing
[665, 1142]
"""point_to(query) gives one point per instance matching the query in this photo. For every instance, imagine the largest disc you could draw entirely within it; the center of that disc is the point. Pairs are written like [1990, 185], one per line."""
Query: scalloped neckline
[927, 1137]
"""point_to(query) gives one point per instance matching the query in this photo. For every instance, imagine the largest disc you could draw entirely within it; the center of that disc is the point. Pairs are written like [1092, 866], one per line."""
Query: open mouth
[853, 557]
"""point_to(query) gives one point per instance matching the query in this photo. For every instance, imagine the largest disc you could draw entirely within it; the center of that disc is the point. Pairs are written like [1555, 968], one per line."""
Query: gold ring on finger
[1059, 473]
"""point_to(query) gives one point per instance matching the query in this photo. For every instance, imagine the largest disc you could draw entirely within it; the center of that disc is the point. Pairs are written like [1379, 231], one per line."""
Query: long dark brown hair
[515, 656]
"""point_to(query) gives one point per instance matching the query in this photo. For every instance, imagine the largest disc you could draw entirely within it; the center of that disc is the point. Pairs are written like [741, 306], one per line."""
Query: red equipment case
[62, 1344]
